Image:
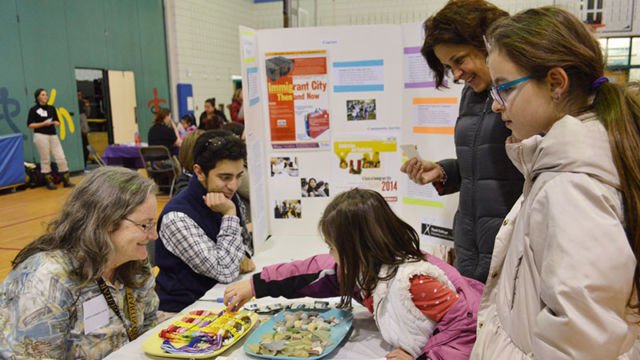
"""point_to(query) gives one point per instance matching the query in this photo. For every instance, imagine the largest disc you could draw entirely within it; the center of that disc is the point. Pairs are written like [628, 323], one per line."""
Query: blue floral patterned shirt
[42, 315]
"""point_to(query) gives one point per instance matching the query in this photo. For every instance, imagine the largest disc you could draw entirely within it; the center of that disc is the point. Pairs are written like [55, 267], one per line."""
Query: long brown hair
[366, 234]
[160, 115]
[185, 156]
[460, 22]
[95, 208]
[538, 40]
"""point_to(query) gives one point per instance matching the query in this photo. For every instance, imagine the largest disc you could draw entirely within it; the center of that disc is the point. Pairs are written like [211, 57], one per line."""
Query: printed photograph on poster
[288, 209]
[286, 165]
[367, 160]
[313, 187]
[298, 99]
[361, 110]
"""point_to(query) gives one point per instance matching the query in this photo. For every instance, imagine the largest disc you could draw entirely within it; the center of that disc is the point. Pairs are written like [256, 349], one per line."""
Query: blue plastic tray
[338, 332]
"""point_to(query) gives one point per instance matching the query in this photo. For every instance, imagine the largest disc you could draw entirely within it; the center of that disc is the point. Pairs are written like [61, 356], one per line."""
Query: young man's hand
[219, 203]
[247, 265]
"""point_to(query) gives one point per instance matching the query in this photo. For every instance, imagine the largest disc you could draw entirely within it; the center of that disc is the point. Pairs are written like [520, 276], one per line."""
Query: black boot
[50, 184]
[65, 180]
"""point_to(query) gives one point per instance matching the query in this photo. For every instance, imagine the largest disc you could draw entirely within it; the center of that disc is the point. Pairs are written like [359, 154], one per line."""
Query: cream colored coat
[562, 268]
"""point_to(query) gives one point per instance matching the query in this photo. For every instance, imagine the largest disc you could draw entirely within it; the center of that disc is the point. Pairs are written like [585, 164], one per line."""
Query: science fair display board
[326, 110]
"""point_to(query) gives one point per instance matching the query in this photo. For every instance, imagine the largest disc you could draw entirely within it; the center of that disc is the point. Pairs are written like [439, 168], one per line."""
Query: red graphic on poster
[298, 101]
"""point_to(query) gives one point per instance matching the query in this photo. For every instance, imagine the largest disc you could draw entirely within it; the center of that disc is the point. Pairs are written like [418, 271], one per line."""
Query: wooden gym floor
[24, 216]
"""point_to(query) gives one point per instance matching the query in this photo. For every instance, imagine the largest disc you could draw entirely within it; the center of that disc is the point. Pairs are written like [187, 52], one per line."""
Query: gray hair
[94, 210]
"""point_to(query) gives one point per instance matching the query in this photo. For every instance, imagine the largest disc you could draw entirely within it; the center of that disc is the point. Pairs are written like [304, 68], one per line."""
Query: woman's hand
[247, 265]
[238, 294]
[399, 354]
[422, 172]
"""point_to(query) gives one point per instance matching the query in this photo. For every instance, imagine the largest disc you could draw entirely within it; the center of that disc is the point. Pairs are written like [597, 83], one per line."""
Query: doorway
[107, 107]
[92, 109]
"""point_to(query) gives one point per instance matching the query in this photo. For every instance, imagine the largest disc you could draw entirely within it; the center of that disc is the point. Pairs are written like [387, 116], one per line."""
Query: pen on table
[218, 300]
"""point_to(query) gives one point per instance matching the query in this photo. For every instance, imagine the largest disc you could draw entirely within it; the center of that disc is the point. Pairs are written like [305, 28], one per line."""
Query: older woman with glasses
[85, 288]
[488, 182]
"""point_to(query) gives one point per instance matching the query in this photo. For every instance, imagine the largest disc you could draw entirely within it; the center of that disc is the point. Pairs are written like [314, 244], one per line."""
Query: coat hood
[573, 144]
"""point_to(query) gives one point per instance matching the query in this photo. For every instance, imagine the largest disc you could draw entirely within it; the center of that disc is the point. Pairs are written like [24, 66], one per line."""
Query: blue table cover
[11, 160]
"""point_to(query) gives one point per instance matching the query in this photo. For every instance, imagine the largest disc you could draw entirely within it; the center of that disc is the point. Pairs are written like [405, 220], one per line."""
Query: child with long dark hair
[421, 305]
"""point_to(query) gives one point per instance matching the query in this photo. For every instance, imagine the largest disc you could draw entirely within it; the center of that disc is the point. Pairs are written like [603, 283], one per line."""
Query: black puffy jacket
[488, 182]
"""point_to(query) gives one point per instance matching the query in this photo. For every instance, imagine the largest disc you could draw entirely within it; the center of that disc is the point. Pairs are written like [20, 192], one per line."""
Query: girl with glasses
[564, 274]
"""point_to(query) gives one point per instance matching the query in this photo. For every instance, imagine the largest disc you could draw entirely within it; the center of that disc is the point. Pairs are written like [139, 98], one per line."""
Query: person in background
[83, 111]
[422, 306]
[43, 119]
[235, 108]
[164, 131]
[92, 259]
[185, 156]
[488, 182]
[564, 274]
[187, 125]
[203, 237]
[211, 118]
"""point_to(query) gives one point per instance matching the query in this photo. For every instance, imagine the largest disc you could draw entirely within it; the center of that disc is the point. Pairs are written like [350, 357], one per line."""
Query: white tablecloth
[364, 342]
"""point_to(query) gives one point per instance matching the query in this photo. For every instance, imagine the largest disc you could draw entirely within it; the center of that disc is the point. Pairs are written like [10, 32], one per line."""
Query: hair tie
[599, 81]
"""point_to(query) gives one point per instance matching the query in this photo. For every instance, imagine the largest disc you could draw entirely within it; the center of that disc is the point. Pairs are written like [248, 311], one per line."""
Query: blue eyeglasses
[501, 92]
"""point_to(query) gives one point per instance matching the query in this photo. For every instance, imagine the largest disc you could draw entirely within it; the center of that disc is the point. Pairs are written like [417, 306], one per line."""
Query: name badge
[96, 314]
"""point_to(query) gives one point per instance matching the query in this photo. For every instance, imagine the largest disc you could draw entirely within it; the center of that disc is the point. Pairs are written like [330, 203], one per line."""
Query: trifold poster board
[326, 110]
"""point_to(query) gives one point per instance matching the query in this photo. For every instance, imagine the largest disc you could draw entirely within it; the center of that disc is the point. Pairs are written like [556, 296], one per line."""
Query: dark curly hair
[460, 22]
[217, 145]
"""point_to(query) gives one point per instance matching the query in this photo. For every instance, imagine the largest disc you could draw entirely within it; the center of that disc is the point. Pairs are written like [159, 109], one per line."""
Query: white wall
[205, 50]
[203, 34]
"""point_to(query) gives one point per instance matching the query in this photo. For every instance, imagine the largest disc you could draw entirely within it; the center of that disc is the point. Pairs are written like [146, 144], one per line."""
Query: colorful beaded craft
[203, 331]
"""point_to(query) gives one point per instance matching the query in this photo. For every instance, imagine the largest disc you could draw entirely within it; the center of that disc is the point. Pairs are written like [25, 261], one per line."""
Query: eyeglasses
[501, 92]
[148, 227]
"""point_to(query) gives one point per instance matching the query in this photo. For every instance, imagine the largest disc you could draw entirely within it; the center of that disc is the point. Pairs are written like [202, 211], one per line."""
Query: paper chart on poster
[416, 71]
[358, 76]
[421, 195]
[297, 87]
[367, 160]
[434, 115]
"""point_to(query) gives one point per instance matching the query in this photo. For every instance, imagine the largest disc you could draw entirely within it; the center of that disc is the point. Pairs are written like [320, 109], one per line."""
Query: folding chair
[160, 166]
[94, 155]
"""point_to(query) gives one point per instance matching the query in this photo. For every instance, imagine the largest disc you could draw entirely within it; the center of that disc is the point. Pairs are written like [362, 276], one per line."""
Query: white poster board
[373, 92]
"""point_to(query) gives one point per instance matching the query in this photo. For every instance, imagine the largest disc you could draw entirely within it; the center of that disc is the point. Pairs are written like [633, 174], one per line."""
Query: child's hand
[237, 294]
[247, 265]
[399, 354]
